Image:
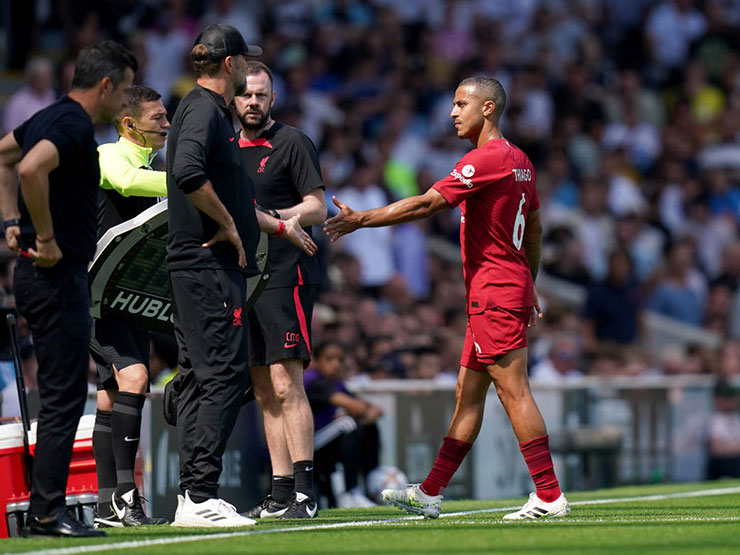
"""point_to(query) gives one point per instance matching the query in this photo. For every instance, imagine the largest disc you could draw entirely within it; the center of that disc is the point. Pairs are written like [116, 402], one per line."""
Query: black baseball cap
[225, 40]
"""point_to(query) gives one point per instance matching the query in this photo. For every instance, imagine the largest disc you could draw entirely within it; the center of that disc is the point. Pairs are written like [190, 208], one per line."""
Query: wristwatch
[11, 223]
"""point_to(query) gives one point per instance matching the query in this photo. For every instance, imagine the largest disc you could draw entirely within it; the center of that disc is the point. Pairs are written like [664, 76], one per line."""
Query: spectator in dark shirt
[345, 426]
[53, 225]
[681, 289]
[613, 306]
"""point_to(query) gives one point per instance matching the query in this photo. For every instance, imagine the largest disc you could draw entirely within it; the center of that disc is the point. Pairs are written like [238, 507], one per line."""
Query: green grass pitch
[680, 518]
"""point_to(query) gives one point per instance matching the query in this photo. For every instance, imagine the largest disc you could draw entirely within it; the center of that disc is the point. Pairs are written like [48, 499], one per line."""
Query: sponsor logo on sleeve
[464, 175]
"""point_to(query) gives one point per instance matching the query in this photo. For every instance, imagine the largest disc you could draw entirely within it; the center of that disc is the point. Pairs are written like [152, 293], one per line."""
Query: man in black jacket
[213, 235]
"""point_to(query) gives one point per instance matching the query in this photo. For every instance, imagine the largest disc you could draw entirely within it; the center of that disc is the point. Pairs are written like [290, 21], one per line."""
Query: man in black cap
[213, 235]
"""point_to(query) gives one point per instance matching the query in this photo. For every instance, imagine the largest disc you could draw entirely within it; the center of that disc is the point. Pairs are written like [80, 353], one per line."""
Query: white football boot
[535, 508]
[413, 500]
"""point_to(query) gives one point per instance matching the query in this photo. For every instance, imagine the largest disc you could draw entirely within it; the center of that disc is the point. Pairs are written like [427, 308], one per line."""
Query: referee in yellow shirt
[120, 351]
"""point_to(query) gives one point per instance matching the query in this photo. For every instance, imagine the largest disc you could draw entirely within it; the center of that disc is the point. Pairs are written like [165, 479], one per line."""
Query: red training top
[495, 188]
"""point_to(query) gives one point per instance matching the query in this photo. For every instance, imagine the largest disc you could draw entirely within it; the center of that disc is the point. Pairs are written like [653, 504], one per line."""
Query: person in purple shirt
[345, 425]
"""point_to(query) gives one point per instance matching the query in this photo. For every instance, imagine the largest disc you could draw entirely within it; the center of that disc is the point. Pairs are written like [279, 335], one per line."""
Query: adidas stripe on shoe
[211, 513]
[535, 508]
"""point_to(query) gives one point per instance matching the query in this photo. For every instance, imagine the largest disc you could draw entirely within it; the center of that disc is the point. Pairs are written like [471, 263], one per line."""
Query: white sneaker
[536, 508]
[354, 499]
[180, 501]
[211, 513]
[413, 500]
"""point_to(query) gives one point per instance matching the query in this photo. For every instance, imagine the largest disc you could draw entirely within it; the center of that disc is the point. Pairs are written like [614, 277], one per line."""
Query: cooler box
[82, 483]
[14, 492]
[82, 476]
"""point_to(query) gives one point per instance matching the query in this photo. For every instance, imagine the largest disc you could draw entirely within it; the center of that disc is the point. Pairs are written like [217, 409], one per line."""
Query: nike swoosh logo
[130, 439]
[120, 513]
[270, 514]
[289, 345]
[309, 468]
[231, 139]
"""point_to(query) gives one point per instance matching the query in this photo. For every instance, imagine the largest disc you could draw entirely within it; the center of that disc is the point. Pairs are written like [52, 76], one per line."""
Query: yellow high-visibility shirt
[126, 168]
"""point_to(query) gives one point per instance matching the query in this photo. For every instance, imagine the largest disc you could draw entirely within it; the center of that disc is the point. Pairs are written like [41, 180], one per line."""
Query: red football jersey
[495, 188]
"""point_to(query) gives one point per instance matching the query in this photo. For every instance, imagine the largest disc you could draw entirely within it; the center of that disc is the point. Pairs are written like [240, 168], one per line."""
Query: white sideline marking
[401, 521]
[616, 521]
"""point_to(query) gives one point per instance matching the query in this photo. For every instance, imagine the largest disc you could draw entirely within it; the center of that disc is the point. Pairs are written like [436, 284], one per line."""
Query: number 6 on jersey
[519, 224]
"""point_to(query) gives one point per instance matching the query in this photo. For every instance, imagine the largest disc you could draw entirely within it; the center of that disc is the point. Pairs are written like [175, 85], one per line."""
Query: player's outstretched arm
[405, 210]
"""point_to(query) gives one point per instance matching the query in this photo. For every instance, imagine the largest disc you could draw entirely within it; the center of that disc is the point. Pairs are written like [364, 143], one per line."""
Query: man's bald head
[487, 88]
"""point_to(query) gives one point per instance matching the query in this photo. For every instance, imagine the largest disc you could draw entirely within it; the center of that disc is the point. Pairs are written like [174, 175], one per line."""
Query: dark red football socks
[450, 456]
[539, 461]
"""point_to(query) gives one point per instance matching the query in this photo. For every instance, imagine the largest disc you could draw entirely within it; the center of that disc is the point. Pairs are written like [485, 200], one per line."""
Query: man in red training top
[500, 238]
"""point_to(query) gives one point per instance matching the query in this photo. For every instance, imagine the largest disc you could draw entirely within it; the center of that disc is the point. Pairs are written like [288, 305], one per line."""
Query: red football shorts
[493, 333]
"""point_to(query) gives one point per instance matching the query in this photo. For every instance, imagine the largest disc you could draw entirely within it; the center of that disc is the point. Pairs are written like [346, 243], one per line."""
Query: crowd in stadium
[629, 110]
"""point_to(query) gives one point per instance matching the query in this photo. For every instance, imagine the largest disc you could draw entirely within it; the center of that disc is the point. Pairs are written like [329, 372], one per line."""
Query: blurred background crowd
[629, 110]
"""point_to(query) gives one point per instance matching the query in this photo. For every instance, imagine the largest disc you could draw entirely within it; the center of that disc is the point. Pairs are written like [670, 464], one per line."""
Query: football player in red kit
[500, 238]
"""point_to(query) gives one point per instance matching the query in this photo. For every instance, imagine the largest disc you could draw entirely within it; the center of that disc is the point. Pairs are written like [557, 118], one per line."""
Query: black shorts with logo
[115, 343]
[280, 325]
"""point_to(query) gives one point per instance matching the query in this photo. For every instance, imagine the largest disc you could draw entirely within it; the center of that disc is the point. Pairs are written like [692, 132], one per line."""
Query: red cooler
[14, 492]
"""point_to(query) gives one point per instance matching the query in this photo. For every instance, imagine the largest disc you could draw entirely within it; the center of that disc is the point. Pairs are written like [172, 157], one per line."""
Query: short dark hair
[135, 96]
[254, 67]
[488, 89]
[202, 63]
[323, 346]
[103, 59]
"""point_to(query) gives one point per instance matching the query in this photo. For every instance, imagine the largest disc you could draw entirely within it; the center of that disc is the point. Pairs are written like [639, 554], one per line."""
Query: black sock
[125, 430]
[282, 488]
[303, 475]
[195, 498]
[105, 464]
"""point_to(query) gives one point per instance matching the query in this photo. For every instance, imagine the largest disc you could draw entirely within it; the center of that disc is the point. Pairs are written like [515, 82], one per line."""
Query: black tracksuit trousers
[211, 332]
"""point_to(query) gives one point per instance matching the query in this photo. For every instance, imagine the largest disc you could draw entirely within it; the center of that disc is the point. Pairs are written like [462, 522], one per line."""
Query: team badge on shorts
[237, 317]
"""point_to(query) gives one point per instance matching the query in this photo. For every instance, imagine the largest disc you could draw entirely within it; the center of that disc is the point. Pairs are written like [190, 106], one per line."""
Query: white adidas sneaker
[180, 501]
[535, 508]
[212, 513]
[413, 500]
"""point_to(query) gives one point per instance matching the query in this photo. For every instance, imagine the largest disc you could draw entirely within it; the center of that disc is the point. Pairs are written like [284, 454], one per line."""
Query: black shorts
[280, 325]
[115, 343]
